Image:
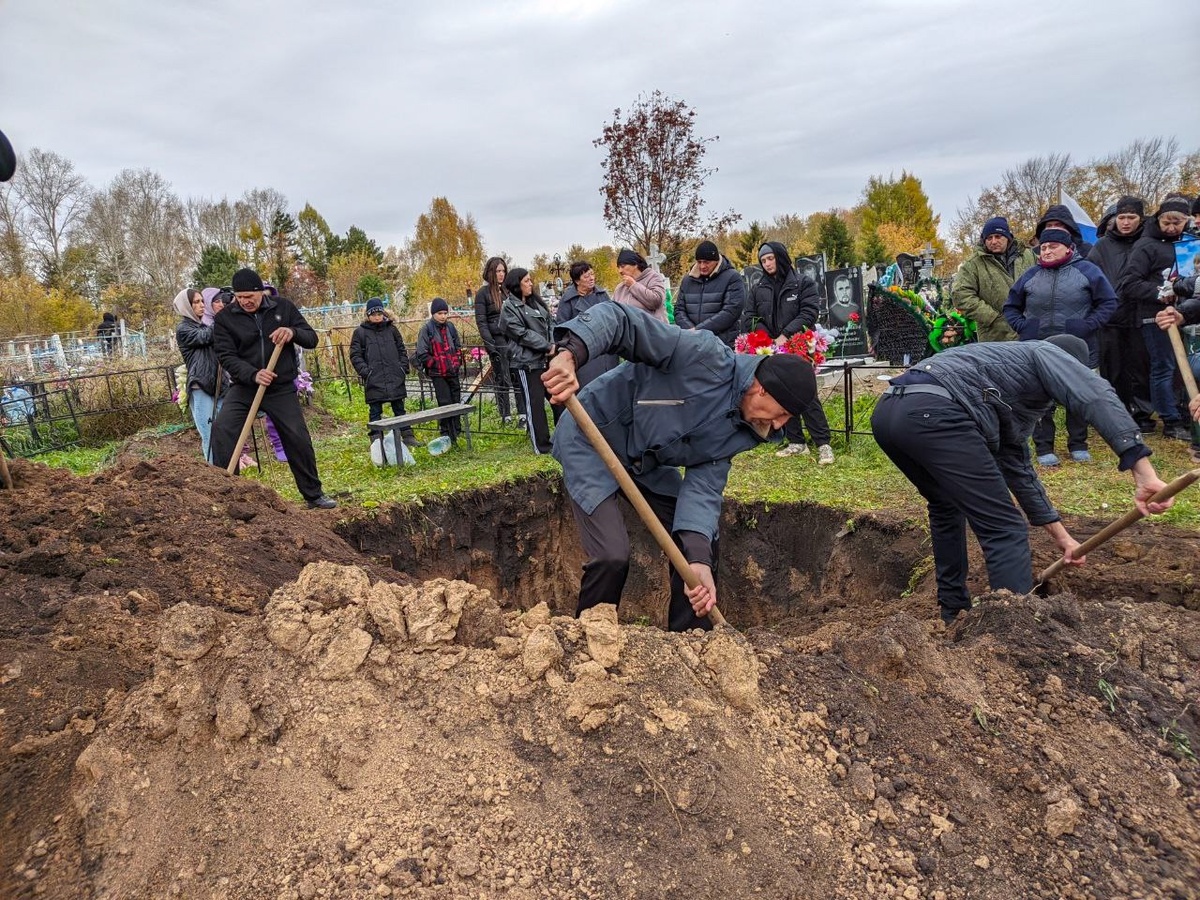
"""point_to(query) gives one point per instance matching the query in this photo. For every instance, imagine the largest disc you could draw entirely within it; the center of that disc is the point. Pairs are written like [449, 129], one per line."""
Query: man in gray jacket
[683, 401]
[958, 424]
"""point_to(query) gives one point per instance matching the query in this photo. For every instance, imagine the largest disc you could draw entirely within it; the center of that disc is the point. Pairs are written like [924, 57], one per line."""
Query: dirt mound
[266, 716]
[86, 567]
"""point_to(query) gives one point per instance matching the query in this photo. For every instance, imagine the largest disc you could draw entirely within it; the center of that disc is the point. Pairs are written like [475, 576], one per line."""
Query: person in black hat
[1144, 283]
[439, 356]
[983, 280]
[1124, 362]
[682, 401]
[784, 304]
[245, 334]
[380, 358]
[957, 425]
[711, 295]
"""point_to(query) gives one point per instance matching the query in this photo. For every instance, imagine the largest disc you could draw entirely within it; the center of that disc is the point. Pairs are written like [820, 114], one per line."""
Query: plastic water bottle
[438, 445]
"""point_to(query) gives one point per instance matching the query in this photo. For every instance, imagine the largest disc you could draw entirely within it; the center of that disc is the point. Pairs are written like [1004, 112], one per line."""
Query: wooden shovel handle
[1119, 525]
[236, 456]
[634, 495]
[1181, 359]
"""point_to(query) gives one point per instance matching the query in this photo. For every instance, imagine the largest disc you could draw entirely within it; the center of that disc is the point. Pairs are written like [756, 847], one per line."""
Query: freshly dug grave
[170, 732]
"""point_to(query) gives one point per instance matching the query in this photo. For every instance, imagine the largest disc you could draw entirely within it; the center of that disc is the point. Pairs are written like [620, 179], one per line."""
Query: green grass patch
[81, 460]
[861, 480]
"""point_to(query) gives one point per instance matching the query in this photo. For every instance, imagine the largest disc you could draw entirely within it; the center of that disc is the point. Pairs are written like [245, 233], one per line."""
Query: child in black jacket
[439, 354]
[380, 358]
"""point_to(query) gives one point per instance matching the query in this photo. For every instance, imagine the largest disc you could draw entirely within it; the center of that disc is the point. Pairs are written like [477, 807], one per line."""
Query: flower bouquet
[809, 345]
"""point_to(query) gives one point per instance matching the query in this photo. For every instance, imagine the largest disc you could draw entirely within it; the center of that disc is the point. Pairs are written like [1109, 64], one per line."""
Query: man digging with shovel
[247, 334]
[684, 400]
[957, 426]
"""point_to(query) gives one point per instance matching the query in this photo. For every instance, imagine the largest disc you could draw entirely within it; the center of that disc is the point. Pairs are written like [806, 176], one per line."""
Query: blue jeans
[203, 410]
[1162, 373]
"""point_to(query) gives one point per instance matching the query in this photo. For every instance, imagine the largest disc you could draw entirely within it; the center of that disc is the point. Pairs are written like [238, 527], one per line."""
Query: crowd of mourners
[1059, 322]
[1120, 295]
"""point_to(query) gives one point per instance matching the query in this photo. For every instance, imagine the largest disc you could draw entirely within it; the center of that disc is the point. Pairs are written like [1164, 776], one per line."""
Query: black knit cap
[8, 159]
[629, 257]
[789, 379]
[245, 280]
[707, 251]
[1176, 203]
[1076, 346]
[1131, 205]
[1057, 236]
[438, 305]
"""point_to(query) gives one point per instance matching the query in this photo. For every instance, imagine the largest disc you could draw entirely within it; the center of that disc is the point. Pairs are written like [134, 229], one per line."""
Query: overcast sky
[370, 108]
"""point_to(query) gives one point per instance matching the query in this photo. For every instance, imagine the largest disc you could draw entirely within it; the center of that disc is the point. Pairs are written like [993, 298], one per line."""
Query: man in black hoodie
[1124, 362]
[1142, 283]
[1058, 216]
[785, 304]
[245, 334]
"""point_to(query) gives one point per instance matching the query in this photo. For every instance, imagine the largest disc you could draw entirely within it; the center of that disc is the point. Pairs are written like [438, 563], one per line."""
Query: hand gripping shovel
[1116, 527]
[1181, 357]
[634, 495]
[236, 456]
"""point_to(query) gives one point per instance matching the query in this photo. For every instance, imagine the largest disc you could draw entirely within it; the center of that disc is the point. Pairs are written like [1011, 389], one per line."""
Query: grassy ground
[862, 479]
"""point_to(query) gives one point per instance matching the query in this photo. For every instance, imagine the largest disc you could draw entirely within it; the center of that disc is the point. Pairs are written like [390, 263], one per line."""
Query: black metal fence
[42, 416]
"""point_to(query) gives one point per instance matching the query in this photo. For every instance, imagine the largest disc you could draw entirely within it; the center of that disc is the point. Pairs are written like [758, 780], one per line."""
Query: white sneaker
[792, 450]
[824, 455]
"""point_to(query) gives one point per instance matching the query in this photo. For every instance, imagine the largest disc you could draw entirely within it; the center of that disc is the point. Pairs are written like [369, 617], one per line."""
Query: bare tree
[1147, 168]
[53, 198]
[13, 251]
[261, 205]
[1021, 196]
[212, 224]
[654, 173]
[137, 228]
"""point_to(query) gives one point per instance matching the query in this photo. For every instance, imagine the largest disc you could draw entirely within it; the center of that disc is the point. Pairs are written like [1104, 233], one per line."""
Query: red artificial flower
[854, 317]
[758, 338]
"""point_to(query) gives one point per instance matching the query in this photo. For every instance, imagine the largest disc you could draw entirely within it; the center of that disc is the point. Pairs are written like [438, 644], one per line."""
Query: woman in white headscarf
[195, 341]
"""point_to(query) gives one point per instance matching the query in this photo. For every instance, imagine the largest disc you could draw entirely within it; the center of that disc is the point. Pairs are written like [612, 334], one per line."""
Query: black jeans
[605, 542]
[1043, 432]
[447, 390]
[280, 403]
[1125, 365]
[375, 411]
[939, 448]
[813, 418]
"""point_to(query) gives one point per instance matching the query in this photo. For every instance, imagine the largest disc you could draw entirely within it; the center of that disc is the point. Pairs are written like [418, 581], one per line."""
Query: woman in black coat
[489, 301]
[378, 355]
[527, 323]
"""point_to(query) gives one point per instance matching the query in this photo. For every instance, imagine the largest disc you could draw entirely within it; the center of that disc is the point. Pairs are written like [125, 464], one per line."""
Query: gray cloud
[368, 110]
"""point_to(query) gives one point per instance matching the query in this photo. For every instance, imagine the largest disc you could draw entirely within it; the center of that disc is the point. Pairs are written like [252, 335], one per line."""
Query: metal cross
[656, 257]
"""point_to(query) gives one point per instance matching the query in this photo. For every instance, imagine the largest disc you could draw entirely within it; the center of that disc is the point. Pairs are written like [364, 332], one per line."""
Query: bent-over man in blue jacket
[683, 400]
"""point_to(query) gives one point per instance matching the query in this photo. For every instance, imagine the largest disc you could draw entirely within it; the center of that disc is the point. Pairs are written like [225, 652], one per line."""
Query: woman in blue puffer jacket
[1062, 294]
